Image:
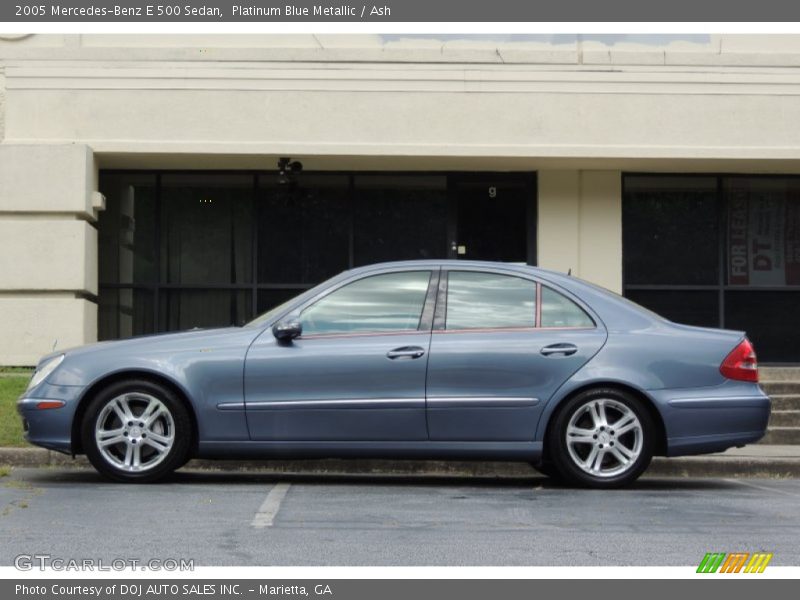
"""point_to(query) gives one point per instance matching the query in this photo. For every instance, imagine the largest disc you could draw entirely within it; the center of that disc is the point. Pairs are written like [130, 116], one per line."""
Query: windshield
[273, 313]
[268, 316]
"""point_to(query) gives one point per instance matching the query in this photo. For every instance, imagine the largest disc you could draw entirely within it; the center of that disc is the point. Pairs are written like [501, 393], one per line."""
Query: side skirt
[523, 451]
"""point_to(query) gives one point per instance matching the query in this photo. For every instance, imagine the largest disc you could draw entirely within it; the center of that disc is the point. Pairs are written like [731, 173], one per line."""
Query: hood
[167, 342]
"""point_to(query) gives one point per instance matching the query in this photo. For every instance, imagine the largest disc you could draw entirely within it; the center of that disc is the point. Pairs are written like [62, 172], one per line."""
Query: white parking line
[271, 505]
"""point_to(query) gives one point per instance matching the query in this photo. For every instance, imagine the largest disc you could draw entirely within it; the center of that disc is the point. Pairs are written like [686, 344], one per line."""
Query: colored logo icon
[735, 562]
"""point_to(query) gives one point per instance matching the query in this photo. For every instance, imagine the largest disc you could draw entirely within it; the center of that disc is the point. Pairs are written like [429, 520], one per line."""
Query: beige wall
[33, 324]
[580, 224]
[578, 113]
[48, 249]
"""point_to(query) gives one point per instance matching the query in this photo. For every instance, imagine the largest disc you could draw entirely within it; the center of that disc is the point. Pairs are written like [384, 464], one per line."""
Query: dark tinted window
[124, 312]
[771, 320]
[206, 229]
[488, 300]
[303, 230]
[126, 229]
[390, 302]
[399, 217]
[185, 309]
[670, 230]
[560, 311]
[688, 307]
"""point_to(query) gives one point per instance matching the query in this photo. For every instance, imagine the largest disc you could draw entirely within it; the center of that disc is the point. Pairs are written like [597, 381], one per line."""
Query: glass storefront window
[699, 308]
[771, 320]
[206, 229]
[670, 228]
[185, 309]
[398, 217]
[763, 231]
[719, 251]
[202, 249]
[127, 229]
[303, 229]
[124, 312]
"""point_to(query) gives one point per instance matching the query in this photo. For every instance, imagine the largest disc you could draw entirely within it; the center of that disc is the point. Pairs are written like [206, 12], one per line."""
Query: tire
[156, 429]
[548, 469]
[588, 449]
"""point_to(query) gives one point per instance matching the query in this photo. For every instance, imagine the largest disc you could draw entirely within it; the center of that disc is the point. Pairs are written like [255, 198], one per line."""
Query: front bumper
[49, 428]
[713, 419]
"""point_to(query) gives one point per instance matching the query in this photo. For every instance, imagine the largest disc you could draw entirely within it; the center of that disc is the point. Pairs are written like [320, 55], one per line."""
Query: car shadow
[73, 475]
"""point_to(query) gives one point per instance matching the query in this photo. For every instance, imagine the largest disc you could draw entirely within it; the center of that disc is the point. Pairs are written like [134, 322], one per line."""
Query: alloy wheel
[134, 432]
[604, 437]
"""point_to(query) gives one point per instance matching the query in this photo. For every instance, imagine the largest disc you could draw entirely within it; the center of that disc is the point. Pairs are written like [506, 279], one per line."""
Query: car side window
[387, 302]
[560, 311]
[489, 301]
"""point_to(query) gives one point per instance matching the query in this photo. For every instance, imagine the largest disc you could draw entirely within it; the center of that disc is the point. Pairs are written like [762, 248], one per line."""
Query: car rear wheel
[136, 431]
[602, 438]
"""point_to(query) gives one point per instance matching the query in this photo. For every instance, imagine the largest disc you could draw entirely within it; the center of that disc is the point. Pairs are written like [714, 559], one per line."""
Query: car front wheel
[136, 431]
[602, 438]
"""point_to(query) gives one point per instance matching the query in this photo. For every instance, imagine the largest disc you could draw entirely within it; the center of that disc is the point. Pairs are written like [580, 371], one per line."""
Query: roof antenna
[55, 343]
[569, 272]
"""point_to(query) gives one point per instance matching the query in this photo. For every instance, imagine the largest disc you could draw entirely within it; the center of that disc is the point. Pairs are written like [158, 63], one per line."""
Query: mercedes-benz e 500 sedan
[433, 359]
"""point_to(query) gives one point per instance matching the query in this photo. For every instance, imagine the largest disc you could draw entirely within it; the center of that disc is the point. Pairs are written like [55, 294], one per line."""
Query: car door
[501, 346]
[357, 371]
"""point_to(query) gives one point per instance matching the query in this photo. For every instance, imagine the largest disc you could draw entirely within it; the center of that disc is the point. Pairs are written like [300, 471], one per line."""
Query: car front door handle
[407, 352]
[559, 350]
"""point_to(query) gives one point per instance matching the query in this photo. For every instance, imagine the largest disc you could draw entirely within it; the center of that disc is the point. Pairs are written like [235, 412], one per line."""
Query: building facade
[140, 188]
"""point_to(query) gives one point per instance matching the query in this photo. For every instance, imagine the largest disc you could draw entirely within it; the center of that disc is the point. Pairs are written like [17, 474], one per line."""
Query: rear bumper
[703, 420]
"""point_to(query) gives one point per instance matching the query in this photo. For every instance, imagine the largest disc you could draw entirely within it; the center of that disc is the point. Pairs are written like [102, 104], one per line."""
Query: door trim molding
[481, 402]
[354, 403]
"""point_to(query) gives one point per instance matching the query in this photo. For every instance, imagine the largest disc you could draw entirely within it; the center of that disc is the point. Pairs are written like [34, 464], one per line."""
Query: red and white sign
[763, 235]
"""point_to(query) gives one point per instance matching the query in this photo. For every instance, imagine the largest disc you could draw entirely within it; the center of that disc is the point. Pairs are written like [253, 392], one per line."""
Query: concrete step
[782, 435]
[781, 387]
[779, 373]
[785, 401]
[785, 418]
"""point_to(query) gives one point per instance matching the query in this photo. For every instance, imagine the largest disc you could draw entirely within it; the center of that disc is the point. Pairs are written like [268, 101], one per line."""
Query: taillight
[741, 363]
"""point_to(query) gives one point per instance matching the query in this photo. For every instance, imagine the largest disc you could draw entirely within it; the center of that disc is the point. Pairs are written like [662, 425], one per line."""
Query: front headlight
[42, 372]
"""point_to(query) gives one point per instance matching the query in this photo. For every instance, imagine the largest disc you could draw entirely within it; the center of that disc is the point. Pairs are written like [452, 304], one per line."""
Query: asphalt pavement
[228, 518]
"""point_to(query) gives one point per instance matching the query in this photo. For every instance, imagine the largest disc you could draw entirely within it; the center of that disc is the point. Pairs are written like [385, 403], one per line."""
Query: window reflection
[391, 302]
[560, 311]
[488, 300]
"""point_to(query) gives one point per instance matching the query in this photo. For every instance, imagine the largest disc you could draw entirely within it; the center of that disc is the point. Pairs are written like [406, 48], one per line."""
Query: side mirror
[287, 330]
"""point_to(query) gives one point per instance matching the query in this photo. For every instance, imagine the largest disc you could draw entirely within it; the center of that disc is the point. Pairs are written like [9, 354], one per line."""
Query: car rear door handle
[409, 352]
[559, 350]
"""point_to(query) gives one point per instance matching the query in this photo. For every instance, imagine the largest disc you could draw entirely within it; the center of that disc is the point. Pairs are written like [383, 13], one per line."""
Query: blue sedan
[422, 359]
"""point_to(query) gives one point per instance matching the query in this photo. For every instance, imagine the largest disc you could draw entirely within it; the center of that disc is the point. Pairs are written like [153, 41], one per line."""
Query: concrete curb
[695, 466]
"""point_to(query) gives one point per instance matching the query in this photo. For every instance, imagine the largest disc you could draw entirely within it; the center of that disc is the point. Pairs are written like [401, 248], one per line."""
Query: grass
[5, 471]
[26, 371]
[11, 386]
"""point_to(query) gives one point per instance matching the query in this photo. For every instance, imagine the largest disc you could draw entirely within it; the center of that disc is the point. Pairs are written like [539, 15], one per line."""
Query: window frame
[440, 312]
